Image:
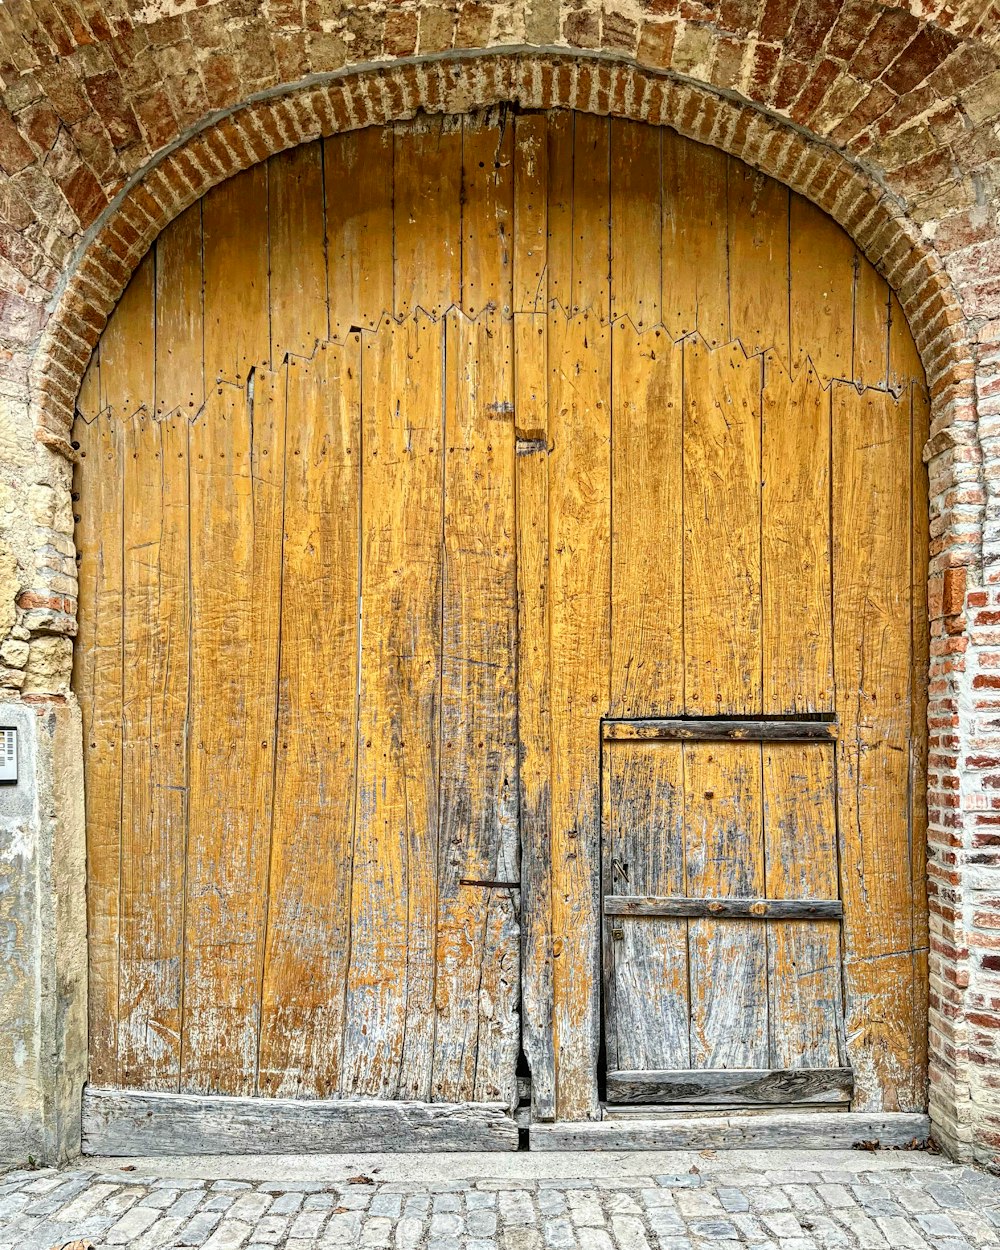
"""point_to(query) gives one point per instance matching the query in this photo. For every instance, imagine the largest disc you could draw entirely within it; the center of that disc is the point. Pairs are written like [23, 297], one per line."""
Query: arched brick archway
[930, 247]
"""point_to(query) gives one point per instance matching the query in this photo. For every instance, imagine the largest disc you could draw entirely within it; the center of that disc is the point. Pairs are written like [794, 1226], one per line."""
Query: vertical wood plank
[871, 325]
[180, 328]
[722, 604]
[805, 1009]
[758, 260]
[592, 215]
[919, 661]
[427, 219]
[357, 172]
[236, 451]
[648, 1008]
[533, 703]
[302, 1011]
[821, 284]
[559, 210]
[725, 858]
[128, 346]
[872, 648]
[694, 240]
[297, 252]
[636, 212]
[531, 180]
[235, 229]
[88, 402]
[579, 606]
[154, 767]
[795, 542]
[476, 1028]
[487, 213]
[647, 634]
[389, 1013]
[97, 679]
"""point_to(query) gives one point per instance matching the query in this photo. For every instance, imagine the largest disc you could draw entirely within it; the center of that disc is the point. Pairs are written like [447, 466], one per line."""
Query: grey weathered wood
[725, 908]
[133, 1122]
[813, 1130]
[732, 1086]
[715, 729]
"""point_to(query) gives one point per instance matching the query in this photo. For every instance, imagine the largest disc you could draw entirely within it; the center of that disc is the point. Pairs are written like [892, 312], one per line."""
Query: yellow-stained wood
[724, 857]
[919, 672]
[694, 240]
[235, 234]
[579, 609]
[758, 261]
[477, 933]
[237, 467]
[154, 765]
[722, 601]
[302, 1008]
[805, 1011]
[180, 321]
[358, 180]
[871, 325]
[487, 214]
[427, 215]
[97, 679]
[796, 590]
[591, 215]
[647, 634]
[389, 1013]
[88, 402]
[128, 347]
[559, 208]
[296, 253]
[530, 212]
[636, 184]
[821, 274]
[872, 650]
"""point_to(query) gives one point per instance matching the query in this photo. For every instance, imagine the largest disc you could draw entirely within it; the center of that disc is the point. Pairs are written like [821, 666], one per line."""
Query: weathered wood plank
[694, 250]
[531, 181]
[358, 179]
[296, 252]
[389, 1014]
[579, 610]
[796, 590]
[871, 325]
[725, 860]
[487, 213]
[722, 601]
[237, 470]
[723, 908]
[821, 285]
[533, 692]
[646, 993]
[139, 1123]
[591, 215]
[709, 729]
[647, 661]
[812, 1130]
[635, 222]
[180, 317]
[735, 1086]
[235, 226]
[128, 347]
[476, 971]
[758, 260]
[805, 1001]
[427, 219]
[559, 209]
[305, 958]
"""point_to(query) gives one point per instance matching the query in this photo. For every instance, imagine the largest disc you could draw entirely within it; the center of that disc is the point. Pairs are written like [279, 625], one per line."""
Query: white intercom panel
[8, 757]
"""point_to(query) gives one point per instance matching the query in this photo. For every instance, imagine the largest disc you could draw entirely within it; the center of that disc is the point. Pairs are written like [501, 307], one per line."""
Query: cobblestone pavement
[771, 1201]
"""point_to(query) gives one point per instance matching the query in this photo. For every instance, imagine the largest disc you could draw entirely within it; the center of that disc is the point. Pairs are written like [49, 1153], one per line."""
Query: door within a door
[722, 913]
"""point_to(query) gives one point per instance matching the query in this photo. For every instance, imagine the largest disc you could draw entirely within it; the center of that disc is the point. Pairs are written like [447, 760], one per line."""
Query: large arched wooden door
[535, 488]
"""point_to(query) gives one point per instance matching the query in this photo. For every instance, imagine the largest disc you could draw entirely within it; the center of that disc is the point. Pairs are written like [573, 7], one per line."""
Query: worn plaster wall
[115, 114]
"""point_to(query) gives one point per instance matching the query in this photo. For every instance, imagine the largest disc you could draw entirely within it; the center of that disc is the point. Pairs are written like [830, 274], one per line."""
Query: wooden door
[408, 460]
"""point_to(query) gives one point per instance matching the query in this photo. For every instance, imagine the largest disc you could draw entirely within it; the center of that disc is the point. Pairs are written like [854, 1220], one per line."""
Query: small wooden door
[722, 913]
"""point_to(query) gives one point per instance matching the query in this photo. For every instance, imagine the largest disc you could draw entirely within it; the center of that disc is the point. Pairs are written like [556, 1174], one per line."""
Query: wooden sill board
[136, 1122]
[813, 1130]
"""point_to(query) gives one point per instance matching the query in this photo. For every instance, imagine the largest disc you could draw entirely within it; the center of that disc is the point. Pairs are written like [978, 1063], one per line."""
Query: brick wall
[113, 120]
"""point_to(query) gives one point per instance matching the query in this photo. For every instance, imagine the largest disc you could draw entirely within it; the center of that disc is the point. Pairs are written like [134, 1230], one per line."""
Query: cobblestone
[907, 1203]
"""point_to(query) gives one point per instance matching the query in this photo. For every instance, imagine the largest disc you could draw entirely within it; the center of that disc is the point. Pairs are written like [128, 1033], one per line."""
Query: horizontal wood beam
[725, 908]
[812, 1130]
[715, 729]
[136, 1122]
[732, 1086]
